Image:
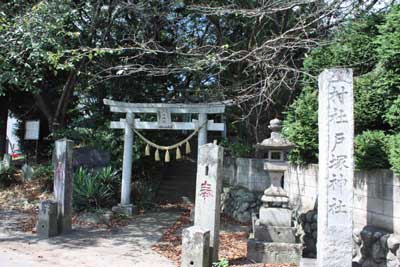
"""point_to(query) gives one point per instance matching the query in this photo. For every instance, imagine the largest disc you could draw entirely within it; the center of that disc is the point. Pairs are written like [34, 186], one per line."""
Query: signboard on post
[32, 130]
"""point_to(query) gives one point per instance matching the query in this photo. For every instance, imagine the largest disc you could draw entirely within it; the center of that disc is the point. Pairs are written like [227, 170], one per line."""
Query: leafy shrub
[44, 173]
[394, 153]
[370, 101]
[94, 189]
[237, 149]
[8, 177]
[301, 127]
[370, 150]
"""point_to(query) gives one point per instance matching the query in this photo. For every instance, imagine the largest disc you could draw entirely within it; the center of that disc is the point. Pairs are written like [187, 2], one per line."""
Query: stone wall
[240, 203]
[246, 172]
[244, 182]
[376, 195]
[376, 192]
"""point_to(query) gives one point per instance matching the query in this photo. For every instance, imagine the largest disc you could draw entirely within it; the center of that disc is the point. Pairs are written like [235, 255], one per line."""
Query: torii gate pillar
[126, 207]
[126, 204]
[202, 137]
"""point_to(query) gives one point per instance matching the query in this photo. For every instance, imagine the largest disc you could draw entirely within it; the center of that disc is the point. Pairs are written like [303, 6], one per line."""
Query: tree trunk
[3, 124]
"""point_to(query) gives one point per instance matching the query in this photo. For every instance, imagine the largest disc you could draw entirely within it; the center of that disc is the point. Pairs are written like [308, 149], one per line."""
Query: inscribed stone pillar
[195, 247]
[208, 193]
[335, 187]
[63, 176]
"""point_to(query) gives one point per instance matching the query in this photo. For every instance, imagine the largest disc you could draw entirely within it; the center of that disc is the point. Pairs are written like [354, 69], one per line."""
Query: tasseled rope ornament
[167, 148]
[178, 153]
[167, 159]
[188, 148]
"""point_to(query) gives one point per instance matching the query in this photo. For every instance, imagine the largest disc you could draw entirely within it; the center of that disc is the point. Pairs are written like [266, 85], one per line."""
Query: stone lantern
[274, 239]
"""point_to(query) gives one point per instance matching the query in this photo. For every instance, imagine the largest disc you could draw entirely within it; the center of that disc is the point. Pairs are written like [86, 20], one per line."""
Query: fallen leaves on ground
[170, 244]
[23, 198]
[232, 246]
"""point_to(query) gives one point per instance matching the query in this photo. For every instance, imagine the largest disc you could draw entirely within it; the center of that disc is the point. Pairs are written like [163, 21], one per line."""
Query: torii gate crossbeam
[163, 111]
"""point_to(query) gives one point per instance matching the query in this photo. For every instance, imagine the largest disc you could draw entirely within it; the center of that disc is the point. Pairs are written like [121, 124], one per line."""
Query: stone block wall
[246, 172]
[301, 183]
[376, 195]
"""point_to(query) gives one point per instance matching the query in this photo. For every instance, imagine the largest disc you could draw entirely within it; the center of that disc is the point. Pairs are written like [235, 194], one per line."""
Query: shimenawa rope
[167, 148]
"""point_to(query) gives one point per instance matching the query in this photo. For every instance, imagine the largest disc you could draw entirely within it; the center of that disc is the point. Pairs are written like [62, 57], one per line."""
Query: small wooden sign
[32, 130]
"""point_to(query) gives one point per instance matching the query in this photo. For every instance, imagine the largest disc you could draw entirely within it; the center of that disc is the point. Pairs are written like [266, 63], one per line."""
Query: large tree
[59, 55]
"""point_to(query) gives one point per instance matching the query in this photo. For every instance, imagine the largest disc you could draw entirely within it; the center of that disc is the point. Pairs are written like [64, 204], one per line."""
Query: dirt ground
[149, 239]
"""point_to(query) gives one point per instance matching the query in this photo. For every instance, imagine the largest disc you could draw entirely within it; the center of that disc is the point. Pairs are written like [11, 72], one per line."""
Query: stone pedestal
[261, 251]
[275, 216]
[274, 244]
[47, 219]
[274, 234]
[128, 209]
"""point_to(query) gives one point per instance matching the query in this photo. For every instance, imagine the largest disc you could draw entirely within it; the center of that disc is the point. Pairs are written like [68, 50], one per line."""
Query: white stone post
[126, 205]
[195, 247]
[63, 182]
[208, 193]
[202, 137]
[335, 185]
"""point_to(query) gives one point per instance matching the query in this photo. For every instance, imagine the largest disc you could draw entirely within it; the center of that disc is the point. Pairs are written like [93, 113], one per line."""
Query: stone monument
[208, 194]
[63, 175]
[274, 239]
[336, 170]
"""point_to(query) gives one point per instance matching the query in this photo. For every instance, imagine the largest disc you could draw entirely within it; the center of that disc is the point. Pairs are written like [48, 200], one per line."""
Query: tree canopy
[368, 44]
[59, 59]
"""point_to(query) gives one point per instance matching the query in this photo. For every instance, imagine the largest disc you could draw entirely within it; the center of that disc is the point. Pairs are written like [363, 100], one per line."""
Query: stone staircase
[179, 180]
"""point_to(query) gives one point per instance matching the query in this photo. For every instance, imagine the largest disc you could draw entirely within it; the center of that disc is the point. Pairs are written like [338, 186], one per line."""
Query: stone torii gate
[163, 122]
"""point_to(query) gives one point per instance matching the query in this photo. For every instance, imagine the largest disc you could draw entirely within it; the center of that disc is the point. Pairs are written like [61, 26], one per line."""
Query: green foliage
[35, 43]
[301, 127]
[8, 177]
[370, 150]
[389, 40]
[94, 189]
[237, 149]
[351, 46]
[43, 170]
[221, 263]
[370, 45]
[370, 102]
[44, 173]
[394, 153]
[392, 116]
